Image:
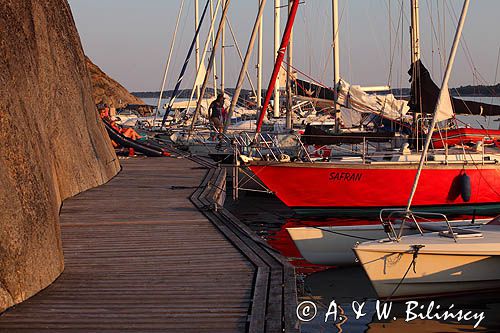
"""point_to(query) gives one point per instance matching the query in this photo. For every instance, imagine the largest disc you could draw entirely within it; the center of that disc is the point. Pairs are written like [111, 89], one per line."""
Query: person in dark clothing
[217, 113]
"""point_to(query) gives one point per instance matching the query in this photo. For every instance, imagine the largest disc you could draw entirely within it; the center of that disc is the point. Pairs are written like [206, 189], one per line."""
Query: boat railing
[366, 147]
[390, 218]
[371, 149]
[265, 146]
[359, 148]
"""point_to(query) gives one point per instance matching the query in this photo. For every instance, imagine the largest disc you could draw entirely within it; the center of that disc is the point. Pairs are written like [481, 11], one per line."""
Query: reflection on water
[267, 216]
[345, 285]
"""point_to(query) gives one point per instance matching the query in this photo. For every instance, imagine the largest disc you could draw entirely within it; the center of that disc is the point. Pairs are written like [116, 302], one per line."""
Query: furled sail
[385, 106]
[200, 77]
[355, 98]
[426, 95]
[444, 109]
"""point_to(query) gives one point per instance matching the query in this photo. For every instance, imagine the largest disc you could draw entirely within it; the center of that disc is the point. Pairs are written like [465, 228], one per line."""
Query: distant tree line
[186, 93]
[479, 90]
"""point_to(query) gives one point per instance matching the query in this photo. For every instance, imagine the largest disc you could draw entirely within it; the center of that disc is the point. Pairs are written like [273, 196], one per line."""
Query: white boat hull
[442, 266]
[332, 245]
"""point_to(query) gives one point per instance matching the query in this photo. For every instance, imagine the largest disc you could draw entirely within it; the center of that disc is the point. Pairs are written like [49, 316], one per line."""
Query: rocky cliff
[106, 90]
[53, 143]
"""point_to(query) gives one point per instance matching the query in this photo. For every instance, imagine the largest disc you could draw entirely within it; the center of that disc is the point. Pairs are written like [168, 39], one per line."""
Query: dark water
[322, 285]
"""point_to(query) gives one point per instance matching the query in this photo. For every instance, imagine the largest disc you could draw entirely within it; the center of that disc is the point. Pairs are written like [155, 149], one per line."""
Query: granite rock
[53, 144]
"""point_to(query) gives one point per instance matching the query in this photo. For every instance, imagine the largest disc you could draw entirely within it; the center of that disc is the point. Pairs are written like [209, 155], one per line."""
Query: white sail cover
[386, 106]
[444, 110]
[200, 77]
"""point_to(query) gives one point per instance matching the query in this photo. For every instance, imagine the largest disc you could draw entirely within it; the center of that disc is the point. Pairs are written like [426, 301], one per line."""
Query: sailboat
[455, 180]
[455, 260]
[332, 245]
[430, 264]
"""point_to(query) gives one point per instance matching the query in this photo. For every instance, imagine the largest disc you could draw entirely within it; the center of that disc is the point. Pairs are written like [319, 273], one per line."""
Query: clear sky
[129, 39]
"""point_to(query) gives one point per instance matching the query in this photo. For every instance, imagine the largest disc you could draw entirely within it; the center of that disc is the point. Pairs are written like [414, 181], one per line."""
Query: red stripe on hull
[339, 186]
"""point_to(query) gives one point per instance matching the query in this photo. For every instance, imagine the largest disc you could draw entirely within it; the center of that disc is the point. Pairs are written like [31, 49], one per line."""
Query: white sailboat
[457, 260]
[452, 261]
[332, 245]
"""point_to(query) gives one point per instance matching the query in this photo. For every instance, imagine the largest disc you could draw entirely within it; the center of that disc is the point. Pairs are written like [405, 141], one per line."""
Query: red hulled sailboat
[453, 181]
[362, 189]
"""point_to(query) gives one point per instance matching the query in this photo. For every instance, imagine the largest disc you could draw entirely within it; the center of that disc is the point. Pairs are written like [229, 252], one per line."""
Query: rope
[336, 232]
[393, 49]
[416, 249]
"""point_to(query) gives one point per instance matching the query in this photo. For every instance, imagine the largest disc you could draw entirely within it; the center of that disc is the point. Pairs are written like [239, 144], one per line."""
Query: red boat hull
[464, 136]
[369, 187]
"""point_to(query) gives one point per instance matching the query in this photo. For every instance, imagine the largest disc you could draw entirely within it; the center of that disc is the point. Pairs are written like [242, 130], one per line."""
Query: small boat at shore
[456, 260]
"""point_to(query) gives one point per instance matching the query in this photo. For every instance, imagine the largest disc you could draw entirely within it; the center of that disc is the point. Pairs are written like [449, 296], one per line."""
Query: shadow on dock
[140, 257]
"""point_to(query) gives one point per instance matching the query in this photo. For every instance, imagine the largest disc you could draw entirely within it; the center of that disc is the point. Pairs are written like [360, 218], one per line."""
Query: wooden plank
[140, 257]
[275, 296]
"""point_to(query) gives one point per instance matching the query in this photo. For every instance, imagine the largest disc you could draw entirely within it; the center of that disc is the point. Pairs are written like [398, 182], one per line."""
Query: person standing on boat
[217, 113]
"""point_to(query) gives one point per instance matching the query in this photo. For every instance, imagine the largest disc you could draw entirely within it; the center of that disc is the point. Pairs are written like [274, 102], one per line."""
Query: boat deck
[140, 257]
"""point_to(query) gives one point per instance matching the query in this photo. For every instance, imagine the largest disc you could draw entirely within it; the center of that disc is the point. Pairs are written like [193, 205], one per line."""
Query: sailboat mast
[279, 61]
[199, 72]
[183, 69]
[289, 103]
[197, 47]
[415, 31]
[336, 60]
[415, 60]
[259, 63]
[165, 74]
[443, 100]
[223, 54]
[214, 72]
[210, 67]
[244, 67]
[240, 55]
[277, 35]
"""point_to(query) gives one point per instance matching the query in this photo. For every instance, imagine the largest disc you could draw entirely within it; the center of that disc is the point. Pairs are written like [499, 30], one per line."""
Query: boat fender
[465, 187]
[245, 159]
[406, 149]
[479, 146]
[284, 158]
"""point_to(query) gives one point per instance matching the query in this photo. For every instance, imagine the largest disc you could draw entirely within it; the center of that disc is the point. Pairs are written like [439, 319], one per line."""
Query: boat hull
[461, 136]
[354, 189]
[332, 245]
[430, 264]
[435, 274]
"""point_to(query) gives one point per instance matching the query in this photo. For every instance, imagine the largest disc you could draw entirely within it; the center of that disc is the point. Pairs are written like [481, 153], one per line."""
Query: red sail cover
[427, 94]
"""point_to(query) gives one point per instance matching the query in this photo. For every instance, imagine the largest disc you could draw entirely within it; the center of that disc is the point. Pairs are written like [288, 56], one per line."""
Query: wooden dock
[141, 257]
